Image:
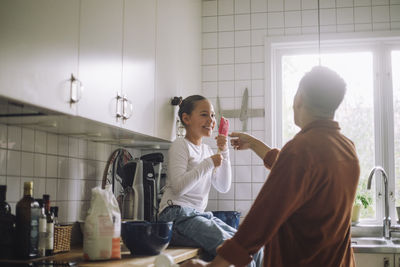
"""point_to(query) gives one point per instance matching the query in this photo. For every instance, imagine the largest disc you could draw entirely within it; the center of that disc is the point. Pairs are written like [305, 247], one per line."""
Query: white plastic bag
[102, 229]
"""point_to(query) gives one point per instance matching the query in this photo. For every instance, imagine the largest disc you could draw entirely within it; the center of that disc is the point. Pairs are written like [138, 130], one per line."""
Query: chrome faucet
[386, 219]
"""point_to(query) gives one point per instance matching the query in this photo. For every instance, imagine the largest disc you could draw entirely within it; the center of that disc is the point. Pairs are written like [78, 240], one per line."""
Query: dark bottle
[28, 212]
[7, 226]
[49, 227]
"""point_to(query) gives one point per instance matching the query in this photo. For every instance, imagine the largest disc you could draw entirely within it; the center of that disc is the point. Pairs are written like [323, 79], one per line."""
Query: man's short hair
[322, 91]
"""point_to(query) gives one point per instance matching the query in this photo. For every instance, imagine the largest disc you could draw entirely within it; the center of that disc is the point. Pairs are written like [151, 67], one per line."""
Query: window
[369, 114]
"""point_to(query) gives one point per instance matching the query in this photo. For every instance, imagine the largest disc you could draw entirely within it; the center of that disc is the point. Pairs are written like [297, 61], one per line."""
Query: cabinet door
[396, 260]
[100, 59]
[374, 260]
[39, 51]
[178, 59]
[139, 64]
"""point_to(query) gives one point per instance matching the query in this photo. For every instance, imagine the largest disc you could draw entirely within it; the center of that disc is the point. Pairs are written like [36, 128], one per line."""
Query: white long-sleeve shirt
[190, 175]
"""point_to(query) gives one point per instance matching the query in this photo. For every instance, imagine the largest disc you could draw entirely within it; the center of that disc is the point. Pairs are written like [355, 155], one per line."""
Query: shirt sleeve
[181, 179]
[281, 195]
[222, 176]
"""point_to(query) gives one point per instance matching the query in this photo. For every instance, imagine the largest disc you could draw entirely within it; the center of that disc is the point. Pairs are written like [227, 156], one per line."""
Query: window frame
[380, 44]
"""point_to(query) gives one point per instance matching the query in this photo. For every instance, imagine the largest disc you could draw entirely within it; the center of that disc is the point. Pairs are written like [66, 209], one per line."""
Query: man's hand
[222, 142]
[241, 141]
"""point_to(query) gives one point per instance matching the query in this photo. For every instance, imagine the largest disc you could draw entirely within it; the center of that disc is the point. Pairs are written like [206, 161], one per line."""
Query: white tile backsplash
[226, 55]
[309, 18]
[275, 5]
[243, 54]
[210, 40]
[210, 24]
[27, 164]
[226, 72]
[242, 6]
[362, 14]
[226, 39]
[259, 21]
[242, 22]
[226, 23]
[309, 4]
[14, 137]
[209, 8]
[293, 18]
[40, 142]
[395, 13]
[40, 165]
[259, 6]
[242, 72]
[225, 7]
[28, 140]
[3, 161]
[292, 5]
[3, 136]
[210, 57]
[13, 163]
[242, 174]
[242, 38]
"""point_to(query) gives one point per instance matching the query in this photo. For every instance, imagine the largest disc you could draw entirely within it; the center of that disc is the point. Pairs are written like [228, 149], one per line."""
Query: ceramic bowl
[146, 238]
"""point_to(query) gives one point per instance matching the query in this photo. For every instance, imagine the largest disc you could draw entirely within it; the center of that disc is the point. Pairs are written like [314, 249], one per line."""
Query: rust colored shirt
[302, 215]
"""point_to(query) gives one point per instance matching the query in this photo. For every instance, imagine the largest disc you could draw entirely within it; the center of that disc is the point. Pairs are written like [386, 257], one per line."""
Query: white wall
[233, 59]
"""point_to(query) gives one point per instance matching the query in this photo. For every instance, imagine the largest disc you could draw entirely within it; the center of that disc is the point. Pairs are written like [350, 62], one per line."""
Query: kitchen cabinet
[38, 52]
[374, 260]
[178, 59]
[396, 260]
[139, 59]
[100, 59]
[123, 53]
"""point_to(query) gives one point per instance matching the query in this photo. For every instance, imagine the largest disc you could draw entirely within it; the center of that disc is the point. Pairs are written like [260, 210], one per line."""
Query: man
[302, 214]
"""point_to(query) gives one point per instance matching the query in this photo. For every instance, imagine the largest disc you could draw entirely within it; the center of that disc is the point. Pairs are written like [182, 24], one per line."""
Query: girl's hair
[188, 104]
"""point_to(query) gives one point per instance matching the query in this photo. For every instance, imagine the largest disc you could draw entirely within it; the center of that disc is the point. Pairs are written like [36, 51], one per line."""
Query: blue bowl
[146, 238]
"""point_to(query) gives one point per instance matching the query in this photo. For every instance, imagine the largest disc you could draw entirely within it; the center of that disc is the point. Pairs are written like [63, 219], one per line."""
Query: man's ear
[186, 118]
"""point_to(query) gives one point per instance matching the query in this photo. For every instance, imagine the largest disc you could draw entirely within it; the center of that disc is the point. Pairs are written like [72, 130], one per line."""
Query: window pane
[396, 107]
[355, 115]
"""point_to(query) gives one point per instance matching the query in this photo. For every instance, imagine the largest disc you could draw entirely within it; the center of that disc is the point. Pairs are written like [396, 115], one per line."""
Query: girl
[190, 176]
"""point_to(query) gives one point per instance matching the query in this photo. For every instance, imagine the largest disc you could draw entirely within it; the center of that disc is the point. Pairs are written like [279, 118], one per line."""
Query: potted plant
[361, 200]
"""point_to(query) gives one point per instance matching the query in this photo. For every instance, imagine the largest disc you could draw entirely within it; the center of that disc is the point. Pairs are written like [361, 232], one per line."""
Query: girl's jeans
[200, 229]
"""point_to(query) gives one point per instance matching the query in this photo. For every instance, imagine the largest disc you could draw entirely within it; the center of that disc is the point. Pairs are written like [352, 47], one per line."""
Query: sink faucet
[386, 219]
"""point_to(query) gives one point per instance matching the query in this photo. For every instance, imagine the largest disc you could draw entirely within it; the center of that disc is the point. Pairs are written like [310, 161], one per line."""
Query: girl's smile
[200, 122]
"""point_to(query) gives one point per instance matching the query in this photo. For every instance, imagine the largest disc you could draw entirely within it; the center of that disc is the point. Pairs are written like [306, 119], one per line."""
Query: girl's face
[201, 121]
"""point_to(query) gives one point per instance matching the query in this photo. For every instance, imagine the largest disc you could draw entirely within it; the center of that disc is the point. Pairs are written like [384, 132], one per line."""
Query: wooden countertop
[179, 254]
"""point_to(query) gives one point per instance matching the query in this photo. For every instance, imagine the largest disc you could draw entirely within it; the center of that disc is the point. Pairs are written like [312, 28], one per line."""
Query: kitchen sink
[369, 241]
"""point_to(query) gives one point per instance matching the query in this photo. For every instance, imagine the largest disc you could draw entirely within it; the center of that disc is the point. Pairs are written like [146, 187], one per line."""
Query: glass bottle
[7, 226]
[49, 227]
[42, 230]
[27, 212]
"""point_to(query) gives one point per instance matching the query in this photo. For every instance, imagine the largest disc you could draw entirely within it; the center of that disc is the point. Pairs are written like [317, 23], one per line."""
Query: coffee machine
[141, 181]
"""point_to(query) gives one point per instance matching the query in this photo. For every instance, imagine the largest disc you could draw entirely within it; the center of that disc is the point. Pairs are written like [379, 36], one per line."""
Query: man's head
[319, 94]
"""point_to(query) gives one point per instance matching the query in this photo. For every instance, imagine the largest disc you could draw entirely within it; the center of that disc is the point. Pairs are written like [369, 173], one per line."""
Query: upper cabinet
[39, 52]
[100, 60]
[178, 59]
[139, 59]
[116, 62]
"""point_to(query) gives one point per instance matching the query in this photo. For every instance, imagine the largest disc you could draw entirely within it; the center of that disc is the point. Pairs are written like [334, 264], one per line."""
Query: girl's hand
[217, 159]
[222, 142]
[240, 141]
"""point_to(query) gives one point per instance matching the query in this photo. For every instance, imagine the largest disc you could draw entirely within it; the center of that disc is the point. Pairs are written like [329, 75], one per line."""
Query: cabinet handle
[386, 262]
[76, 90]
[127, 108]
[117, 107]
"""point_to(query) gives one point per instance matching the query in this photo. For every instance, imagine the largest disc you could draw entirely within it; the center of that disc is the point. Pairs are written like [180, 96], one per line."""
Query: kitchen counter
[179, 254]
